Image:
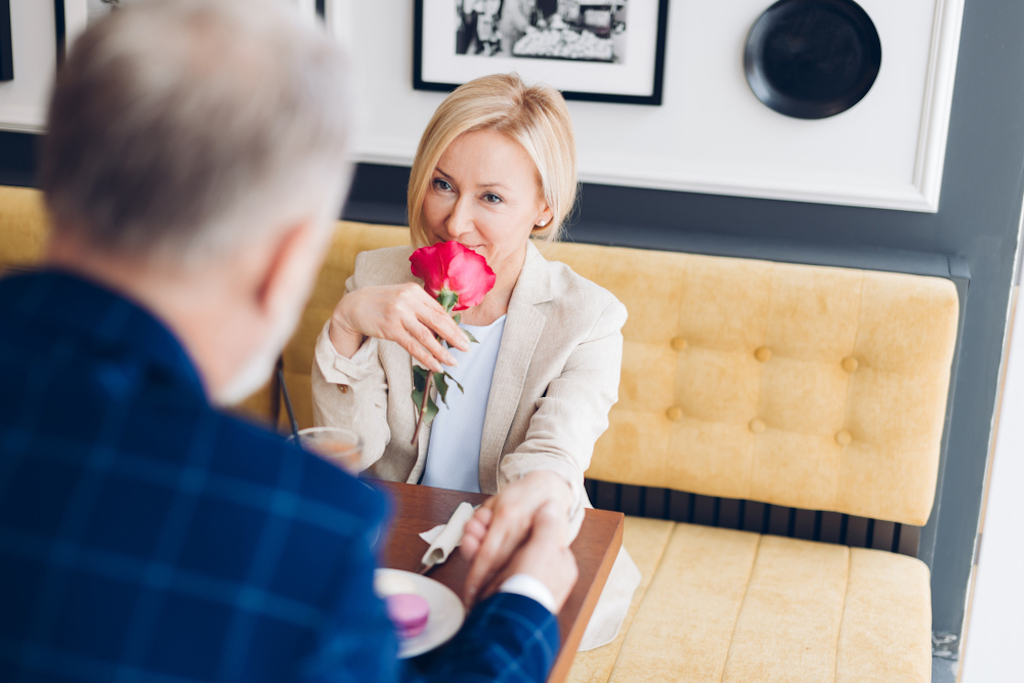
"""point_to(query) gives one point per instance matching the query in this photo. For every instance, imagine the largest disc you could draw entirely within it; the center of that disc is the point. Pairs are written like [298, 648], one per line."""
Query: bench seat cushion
[726, 605]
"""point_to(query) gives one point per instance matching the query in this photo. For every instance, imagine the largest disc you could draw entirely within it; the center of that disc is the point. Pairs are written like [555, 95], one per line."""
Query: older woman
[496, 167]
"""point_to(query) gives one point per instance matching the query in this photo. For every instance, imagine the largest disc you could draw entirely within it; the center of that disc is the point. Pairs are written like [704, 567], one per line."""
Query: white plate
[445, 620]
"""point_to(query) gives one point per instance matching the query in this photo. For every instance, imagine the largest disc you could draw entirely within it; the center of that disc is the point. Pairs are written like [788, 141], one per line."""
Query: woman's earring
[543, 223]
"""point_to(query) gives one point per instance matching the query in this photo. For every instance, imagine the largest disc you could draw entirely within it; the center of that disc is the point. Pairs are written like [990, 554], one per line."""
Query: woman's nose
[460, 221]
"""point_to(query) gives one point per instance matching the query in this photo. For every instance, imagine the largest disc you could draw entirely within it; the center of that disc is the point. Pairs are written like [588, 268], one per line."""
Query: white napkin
[444, 538]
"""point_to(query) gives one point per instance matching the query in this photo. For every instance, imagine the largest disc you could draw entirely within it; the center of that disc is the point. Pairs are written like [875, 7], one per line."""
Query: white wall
[33, 34]
[996, 631]
[712, 134]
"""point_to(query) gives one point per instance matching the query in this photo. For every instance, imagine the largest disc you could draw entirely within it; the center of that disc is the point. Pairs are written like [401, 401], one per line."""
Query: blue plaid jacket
[145, 536]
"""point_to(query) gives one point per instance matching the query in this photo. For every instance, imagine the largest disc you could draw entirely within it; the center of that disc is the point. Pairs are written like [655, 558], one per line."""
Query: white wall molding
[889, 150]
[931, 160]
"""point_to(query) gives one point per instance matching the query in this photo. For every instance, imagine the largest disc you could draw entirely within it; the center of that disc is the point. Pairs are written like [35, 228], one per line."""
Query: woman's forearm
[351, 394]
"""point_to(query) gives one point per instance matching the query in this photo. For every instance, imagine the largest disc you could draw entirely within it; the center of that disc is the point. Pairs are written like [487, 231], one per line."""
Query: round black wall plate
[812, 59]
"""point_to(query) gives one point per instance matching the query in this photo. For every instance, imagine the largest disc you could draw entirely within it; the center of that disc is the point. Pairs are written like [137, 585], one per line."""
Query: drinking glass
[337, 445]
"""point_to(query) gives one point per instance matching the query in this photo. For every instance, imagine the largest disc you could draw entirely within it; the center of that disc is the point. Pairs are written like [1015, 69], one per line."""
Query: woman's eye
[442, 184]
[492, 198]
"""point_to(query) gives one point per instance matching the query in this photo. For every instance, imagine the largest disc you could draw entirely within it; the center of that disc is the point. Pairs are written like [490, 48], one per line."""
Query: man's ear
[291, 264]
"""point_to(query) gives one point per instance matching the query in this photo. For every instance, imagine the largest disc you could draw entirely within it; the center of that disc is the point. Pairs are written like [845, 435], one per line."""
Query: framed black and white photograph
[611, 51]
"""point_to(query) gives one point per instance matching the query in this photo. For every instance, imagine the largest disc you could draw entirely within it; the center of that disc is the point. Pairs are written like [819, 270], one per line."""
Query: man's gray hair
[184, 128]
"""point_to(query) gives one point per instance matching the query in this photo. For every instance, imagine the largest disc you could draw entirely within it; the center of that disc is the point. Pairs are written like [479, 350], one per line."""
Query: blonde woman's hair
[534, 116]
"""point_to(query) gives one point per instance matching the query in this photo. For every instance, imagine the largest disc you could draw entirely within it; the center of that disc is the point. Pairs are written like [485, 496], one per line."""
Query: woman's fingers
[426, 339]
[445, 326]
[406, 315]
[419, 353]
[473, 534]
[507, 530]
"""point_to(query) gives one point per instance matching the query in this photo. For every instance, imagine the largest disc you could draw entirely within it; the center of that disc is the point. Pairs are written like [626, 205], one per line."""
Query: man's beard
[258, 369]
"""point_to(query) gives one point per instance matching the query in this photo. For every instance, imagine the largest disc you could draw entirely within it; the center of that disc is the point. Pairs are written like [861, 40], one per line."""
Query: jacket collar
[524, 326]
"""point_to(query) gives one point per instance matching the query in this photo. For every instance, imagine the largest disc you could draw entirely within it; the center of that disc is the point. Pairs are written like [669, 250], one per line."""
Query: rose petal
[452, 266]
[471, 277]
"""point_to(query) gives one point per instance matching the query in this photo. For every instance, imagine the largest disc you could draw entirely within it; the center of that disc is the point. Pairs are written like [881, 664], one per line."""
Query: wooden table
[418, 508]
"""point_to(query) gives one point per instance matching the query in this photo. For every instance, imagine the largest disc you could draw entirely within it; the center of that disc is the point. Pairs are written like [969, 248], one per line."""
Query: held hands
[522, 530]
[545, 555]
[404, 314]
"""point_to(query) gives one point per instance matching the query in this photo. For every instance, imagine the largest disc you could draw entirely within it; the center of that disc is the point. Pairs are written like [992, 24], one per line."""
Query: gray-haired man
[195, 159]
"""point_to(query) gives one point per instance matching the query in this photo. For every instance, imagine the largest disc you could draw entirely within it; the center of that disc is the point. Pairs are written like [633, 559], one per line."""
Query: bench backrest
[802, 386]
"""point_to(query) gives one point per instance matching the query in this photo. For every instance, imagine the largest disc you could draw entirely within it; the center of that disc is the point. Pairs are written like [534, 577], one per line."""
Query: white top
[453, 456]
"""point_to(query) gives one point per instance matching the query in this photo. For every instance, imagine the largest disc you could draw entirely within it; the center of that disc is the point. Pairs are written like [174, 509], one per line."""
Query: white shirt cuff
[530, 587]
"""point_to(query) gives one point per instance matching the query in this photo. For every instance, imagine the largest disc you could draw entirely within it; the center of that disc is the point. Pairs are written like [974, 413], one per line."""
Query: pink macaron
[409, 613]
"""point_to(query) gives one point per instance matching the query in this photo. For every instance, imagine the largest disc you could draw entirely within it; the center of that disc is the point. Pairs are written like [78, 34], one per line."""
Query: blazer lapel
[524, 325]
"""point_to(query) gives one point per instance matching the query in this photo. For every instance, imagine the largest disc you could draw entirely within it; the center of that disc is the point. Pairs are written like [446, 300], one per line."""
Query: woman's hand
[404, 314]
[545, 555]
[502, 523]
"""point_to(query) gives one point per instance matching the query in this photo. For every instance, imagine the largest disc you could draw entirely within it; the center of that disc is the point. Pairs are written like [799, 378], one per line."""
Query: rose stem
[423, 407]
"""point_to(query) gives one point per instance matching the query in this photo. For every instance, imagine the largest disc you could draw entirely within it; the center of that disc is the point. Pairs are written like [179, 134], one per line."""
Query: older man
[194, 161]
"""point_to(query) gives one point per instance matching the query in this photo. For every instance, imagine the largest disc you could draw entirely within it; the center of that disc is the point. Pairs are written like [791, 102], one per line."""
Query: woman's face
[485, 194]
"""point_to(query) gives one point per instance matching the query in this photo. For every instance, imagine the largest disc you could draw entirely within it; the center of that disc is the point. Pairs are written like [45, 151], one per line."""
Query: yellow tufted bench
[803, 386]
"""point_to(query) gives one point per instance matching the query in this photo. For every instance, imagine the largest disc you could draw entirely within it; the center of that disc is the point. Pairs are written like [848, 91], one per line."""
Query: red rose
[447, 269]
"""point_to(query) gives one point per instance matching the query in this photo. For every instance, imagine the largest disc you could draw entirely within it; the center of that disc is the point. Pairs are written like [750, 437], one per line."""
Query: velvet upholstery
[736, 607]
[23, 227]
[802, 386]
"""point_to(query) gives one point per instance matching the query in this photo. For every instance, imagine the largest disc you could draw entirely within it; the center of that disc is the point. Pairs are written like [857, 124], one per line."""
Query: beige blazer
[556, 378]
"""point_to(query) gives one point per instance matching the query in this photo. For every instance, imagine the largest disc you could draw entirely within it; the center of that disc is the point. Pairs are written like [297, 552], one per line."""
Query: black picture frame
[61, 29]
[653, 99]
[6, 46]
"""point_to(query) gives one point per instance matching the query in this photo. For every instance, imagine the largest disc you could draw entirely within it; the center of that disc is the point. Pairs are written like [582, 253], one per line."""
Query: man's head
[200, 145]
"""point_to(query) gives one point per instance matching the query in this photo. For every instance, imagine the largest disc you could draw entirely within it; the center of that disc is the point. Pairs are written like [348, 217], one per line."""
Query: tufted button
[758, 426]
[763, 354]
[675, 413]
[850, 364]
[844, 438]
[678, 344]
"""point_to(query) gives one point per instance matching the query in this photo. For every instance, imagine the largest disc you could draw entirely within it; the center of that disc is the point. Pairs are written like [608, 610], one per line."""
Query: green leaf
[419, 379]
[442, 387]
[457, 318]
[456, 384]
[431, 412]
[417, 399]
[470, 336]
[448, 299]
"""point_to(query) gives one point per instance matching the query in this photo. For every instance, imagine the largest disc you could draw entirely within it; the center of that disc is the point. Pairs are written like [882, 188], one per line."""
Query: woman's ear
[543, 218]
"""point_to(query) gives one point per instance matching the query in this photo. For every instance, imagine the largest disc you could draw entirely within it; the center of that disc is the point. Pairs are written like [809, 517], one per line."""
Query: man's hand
[503, 523]
[545, 555]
